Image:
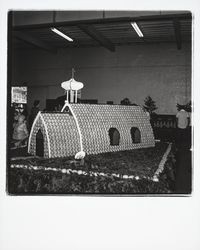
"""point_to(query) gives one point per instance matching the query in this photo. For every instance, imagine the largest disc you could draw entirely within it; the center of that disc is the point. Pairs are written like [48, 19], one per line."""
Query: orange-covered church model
[89, 128]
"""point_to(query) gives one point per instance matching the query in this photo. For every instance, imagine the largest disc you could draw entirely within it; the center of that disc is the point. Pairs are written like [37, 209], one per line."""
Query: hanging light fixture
[57, 31]
[137, 29]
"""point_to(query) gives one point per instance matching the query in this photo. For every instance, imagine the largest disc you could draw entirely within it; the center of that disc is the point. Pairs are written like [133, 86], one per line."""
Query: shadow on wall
[114, 136]
[39, 144]
[135, 135]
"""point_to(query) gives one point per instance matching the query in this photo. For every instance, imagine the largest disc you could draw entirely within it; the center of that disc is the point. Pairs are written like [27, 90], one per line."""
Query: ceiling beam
[161, 17]
[34, 41]
[97, 36]
[177, 30]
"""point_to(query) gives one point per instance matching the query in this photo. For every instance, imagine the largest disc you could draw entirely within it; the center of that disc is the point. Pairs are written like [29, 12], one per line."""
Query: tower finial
[73, 71]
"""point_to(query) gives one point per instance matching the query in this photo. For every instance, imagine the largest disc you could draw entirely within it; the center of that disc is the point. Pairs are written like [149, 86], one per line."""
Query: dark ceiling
[107, 32]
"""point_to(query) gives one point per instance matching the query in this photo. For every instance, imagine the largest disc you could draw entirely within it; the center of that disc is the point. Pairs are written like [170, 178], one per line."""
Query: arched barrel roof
[95, 120]
[60, 132]
[87, 128]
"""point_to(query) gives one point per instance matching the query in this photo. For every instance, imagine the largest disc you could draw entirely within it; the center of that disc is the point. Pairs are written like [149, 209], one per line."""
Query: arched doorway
[39, 144]
[114, 136]
[135, 135]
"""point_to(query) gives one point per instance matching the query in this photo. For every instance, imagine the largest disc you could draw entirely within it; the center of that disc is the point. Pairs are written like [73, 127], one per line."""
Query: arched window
[39, 144]
[114, 136]
[135, 135]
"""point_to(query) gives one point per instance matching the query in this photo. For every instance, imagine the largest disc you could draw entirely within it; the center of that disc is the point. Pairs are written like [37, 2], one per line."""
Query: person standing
[183, 121]
[20, 133]
[183, 178]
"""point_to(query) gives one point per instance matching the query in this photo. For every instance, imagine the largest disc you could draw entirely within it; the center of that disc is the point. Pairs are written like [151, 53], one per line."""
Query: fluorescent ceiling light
[137, 29]
[62, 34]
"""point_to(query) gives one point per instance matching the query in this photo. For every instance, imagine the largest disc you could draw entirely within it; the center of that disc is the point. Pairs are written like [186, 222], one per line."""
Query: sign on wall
[19, 94]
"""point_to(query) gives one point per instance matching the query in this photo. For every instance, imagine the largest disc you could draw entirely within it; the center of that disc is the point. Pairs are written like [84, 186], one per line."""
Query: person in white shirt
[183, 121]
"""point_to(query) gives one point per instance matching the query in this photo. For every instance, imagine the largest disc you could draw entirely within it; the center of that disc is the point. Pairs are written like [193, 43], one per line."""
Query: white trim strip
[78, 171]
[77, 124]
[162, 162]
[48, 141]
[33, 125]
[83, 172]
[66, 103]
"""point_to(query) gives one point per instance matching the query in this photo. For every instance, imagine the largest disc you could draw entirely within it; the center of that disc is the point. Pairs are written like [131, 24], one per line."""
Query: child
[20, 134]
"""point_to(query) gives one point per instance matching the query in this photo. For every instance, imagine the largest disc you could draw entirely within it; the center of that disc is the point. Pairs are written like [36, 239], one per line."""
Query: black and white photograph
[99, 102]
[99, 125]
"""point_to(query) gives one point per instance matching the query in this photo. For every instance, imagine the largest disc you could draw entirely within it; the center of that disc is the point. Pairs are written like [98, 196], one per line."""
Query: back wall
[133, 71]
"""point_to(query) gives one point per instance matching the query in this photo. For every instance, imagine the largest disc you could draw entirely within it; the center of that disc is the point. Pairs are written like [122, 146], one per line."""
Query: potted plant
[149, 105]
